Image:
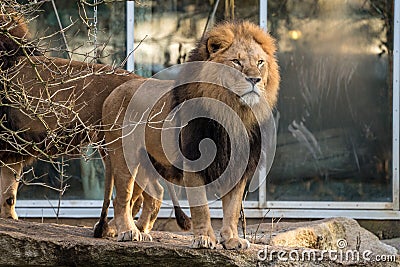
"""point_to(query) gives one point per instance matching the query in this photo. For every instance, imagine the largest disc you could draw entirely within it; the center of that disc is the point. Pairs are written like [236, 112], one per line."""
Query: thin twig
[61, 28]
[258, 226]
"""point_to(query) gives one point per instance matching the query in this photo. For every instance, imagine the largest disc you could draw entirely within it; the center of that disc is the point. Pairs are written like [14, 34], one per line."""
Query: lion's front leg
[124, 181]
[204, 236]
[9, 187]
[231, 204]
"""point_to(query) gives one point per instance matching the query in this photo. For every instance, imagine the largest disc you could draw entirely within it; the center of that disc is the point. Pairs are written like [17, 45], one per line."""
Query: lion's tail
[14, 36]
[101, 227]
[184, 222]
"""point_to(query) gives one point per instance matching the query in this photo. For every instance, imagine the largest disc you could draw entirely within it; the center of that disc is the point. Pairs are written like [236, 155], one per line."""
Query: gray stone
[32, 244]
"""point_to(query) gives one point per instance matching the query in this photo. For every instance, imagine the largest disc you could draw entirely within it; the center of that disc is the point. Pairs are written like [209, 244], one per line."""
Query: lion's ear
[219, 39]
[215, 44]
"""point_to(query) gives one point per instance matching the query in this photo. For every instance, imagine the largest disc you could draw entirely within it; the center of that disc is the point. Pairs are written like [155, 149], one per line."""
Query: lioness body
[48, 106]
[242, 46]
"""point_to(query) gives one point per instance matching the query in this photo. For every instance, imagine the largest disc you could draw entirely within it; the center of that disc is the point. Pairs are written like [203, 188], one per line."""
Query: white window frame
[262, 207]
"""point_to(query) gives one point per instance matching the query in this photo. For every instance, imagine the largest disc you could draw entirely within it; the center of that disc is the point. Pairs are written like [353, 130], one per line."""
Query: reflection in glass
[334, 135]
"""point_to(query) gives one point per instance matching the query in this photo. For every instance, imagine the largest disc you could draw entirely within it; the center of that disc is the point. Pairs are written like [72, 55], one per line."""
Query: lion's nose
[253, 80]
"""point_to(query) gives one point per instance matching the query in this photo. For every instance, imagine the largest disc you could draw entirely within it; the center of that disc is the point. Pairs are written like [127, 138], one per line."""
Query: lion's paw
[139, 226]
[131, 235]
[236, 243]
[203, 241]
[8, 214]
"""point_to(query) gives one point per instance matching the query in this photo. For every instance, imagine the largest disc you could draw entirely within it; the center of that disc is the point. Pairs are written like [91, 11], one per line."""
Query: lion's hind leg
[136, 202]
[151, 199]
[151, 207]
[138, 199]
[141, 182]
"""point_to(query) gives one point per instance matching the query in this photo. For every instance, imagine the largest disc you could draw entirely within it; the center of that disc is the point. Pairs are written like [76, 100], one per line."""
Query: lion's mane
[221, 38]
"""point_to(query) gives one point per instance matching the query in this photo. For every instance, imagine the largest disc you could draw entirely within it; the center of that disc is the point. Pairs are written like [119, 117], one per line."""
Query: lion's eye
[236, 62]
[260, 63]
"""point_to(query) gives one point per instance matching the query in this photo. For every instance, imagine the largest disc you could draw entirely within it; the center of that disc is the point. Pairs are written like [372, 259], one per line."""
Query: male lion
[48, 106]
[241, 46]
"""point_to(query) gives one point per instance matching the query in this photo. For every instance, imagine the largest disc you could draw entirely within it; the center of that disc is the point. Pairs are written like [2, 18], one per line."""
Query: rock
[32, 244]
[347, 241]
[394, 242]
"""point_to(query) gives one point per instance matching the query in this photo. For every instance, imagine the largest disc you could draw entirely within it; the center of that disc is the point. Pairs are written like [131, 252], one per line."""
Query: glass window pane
[166, 31]
[334, 113]
[85, 179]
[335, 132]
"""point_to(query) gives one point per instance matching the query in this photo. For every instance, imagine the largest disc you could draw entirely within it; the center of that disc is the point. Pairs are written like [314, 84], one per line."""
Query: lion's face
[250, 59]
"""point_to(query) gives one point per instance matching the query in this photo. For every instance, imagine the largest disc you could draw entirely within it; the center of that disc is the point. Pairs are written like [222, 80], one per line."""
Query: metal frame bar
[218, 204]
[262, 190]
[130, 39]
[396, 103]
[276, 209]
[264, 14]
[345, 205]
[261, 208]
[217, 213]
